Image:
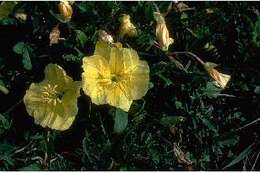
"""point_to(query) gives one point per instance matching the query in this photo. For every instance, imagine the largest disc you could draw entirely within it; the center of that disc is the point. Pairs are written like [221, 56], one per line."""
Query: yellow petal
[138, 80]
[117, 97]
[56, 75]
[95, 77]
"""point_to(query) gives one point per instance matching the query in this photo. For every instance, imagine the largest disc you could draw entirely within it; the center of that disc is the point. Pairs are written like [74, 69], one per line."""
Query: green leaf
[240, 157]
[211, 90]
[31, 167]
[71, 57]
[257, 89]
[209, 124]
[26, 51]
[121, 120]
[26, 59]
[6, 8]
[171, 121]
[19, 48]
[256, 31]
[81, 37]
[4, 123]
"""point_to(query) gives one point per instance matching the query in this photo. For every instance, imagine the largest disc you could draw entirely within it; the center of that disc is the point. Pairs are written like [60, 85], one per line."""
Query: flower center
[51, 95]
[115, 78]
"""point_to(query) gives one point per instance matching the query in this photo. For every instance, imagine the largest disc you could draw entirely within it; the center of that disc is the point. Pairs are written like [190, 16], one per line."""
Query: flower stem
[190, 54]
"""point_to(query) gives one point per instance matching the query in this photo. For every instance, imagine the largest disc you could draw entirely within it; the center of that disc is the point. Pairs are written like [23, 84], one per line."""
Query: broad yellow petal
[117, 97]
[95, 77]
[138, 80]
[56, 75]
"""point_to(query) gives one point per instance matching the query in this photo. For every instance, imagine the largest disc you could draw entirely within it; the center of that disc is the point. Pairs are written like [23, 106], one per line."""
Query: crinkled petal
[95, 77]
[137, 82]
[118, 98]
[56, 75]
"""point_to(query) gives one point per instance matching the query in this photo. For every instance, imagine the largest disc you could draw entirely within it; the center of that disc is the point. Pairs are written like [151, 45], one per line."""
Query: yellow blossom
[53, 102]
[126, 27]
[114, 75]
[161, 32]
[65, 10]
[221, 79]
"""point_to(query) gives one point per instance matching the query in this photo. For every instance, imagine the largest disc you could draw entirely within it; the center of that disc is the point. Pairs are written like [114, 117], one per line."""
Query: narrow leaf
[240, 157]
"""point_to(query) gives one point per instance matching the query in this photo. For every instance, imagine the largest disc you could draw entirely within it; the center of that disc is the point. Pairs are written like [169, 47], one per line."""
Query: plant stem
[249, 124]
[13, 106]
[190, 54]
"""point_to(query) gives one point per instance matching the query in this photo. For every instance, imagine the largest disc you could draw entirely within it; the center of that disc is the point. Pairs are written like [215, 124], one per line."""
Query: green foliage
[256, 31]
[25, 50]
[183, 105]
[121, 120]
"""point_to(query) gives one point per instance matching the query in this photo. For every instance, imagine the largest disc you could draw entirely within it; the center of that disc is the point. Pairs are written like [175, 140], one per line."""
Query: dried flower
[105, 37]
[162, 33]
[114, 75]
[53, 102]
[126, 27]
[21, 16]
[65, 10]
[55, 35]
[221, 79]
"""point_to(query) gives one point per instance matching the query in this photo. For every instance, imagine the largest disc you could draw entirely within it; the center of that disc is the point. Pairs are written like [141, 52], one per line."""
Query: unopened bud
[126, 27]
[65, 10]
[161, 32]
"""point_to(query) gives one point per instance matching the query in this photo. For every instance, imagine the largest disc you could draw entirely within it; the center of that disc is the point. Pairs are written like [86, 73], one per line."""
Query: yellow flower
[115, 76]
[65, 10]
[161, 32]
[126, 27]
[221, 79]
[53, 102]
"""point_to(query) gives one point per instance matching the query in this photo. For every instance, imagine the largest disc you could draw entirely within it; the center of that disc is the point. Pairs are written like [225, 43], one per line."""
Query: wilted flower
[55, 35]
[21, 16]
[126, 27]
[162, 33]
[105, 37]
[53, 102]
[115, 76]
[221, 79]
[65, 10]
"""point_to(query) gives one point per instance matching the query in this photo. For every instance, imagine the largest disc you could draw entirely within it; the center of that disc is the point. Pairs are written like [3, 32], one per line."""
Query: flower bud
[105, 37]
[161, 32]
[126, 27]
[65, 10]
[221, 79]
